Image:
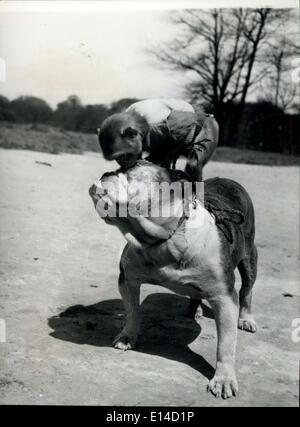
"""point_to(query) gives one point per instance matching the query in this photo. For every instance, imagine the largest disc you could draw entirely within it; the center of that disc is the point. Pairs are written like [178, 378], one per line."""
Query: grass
[236, 155]
[53, 140]
[46, 139]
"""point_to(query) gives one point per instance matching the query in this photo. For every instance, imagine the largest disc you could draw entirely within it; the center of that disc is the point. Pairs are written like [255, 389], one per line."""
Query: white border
[95, 5]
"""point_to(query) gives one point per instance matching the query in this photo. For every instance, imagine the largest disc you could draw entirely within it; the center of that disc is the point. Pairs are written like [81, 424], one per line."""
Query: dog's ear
[130, 132]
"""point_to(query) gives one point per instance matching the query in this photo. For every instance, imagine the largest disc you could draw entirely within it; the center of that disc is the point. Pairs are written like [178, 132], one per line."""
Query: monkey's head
[121, 138]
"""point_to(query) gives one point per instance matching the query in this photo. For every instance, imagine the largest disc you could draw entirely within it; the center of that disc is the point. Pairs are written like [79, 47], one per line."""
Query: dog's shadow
[166, 330]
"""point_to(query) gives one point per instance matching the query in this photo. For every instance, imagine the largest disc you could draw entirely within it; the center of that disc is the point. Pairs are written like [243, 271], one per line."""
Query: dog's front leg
[195, 310]
[130, 292]
[224, 382]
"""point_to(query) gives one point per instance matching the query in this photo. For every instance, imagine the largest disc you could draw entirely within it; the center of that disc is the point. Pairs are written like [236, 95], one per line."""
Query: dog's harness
[222, 216]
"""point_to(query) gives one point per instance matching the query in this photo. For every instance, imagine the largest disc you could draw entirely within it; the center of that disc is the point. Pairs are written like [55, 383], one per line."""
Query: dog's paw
[194, 314]
[223, 386]
[247, 324]
[124, 342]
[199, 313]
[195, 310]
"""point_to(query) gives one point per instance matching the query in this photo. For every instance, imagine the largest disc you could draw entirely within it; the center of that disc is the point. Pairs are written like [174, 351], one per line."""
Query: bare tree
[219, 51]
[279, 87]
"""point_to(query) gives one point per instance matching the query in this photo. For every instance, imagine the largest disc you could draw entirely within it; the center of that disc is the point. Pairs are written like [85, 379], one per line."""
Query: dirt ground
[61, 306]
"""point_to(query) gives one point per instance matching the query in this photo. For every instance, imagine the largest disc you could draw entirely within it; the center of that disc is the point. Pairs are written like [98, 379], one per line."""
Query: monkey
[164, 128]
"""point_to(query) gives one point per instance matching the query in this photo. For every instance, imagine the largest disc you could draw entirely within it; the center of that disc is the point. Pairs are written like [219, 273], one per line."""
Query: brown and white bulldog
[192, 251]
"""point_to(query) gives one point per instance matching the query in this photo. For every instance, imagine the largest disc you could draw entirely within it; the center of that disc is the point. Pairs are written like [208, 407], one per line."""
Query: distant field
[53, 140]
[251, 157]
[46, 139]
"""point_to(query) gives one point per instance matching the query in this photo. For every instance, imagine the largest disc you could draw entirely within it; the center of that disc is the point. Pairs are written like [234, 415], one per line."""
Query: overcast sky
[99, 56]
[93, 52]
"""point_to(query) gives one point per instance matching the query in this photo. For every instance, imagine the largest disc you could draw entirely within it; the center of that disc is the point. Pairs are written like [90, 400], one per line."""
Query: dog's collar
[182, 219]
[185, 214]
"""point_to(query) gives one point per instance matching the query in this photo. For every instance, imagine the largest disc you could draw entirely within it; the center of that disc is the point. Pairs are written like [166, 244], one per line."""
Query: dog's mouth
[110, 194]
[127, 201]
[109, 208]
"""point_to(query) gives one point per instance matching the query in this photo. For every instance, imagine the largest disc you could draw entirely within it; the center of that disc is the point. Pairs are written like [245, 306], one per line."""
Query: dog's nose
[92, 190]
[93, 194]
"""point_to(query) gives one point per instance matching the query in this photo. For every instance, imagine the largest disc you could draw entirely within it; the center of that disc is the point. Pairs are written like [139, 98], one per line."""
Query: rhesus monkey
[166, 129]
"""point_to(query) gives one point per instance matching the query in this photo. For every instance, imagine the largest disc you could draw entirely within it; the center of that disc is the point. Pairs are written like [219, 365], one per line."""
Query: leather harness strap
[222, 216]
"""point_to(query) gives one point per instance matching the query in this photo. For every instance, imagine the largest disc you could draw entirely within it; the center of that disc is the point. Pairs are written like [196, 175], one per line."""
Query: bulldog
[192, 249]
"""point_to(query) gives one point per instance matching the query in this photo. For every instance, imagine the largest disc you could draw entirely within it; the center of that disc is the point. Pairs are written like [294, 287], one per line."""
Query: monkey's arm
[200, 151]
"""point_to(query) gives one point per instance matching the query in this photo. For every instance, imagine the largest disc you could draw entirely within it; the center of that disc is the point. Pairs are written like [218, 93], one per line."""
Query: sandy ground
[61, 306]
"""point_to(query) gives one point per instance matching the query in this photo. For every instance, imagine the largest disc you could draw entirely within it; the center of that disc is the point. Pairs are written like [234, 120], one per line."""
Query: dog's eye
[130, 132]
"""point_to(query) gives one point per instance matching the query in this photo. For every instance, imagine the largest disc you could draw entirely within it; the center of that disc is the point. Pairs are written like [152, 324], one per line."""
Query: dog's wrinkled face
[127, 199]
[120, 138]
[127, 193]
[112, 195]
